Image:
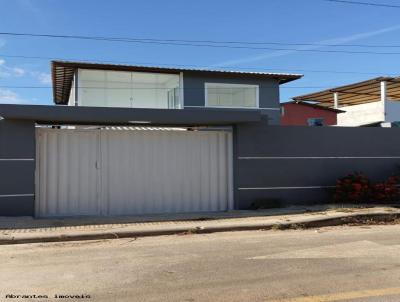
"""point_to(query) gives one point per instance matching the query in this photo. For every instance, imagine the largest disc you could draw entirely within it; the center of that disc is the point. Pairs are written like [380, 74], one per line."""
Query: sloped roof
[357, 93]
[63, 73]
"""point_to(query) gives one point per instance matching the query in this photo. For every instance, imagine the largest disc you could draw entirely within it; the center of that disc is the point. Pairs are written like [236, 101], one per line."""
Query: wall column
[336, 100]
[383, 98]
[76, 87]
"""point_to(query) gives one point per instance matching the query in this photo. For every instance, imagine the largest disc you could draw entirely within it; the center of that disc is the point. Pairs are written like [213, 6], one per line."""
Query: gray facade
[63, 74]
[192, 85]
[194, 91]
[276, 164]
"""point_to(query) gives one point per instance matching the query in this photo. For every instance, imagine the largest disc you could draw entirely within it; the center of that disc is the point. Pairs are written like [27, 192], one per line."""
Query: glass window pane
[212, 97]
[129, 89]
[93, 93]
[231, 95]
[118, 94]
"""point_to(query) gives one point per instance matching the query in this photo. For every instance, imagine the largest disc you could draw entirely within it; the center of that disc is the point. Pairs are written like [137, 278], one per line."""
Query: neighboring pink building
[306, 114]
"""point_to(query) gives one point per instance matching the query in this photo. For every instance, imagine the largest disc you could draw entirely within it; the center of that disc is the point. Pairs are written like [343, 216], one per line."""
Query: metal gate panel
[67, 180]
[128, 172]
[165, 171]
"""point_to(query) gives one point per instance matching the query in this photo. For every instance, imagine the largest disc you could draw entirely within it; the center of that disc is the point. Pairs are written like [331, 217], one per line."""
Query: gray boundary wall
[17, 168]
[298, 165]
[289, 164]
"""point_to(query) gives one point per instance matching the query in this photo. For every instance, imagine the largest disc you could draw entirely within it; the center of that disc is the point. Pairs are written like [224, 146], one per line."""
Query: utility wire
[160, 42]
[126, 39]
[158, 88]
[242, 68]
[364, 3]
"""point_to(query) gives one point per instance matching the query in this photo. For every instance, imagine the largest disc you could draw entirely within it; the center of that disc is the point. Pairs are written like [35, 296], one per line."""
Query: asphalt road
[330, 264]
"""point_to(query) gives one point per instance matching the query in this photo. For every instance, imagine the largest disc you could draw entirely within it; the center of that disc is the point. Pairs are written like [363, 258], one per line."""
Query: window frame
[79, 87]
[315, 119]
[208, 84]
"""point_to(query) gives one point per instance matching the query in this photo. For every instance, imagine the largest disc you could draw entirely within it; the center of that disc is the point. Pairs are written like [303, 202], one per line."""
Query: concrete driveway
[329, 264]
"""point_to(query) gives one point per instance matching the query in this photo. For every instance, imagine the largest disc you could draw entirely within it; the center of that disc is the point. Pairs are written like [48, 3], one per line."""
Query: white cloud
[3, 72]
[10, 97]
[44, 78]
[337, 41]
[7, 71]
[18, 72]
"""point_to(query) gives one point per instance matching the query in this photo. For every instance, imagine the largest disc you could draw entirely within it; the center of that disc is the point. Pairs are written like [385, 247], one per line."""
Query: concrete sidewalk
[28, 230]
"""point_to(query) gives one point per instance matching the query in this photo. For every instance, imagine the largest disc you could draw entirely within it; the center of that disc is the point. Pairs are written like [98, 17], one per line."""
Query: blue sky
[286, 21]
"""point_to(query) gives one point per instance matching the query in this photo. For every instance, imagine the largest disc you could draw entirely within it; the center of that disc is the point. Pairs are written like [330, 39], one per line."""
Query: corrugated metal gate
[125, 172]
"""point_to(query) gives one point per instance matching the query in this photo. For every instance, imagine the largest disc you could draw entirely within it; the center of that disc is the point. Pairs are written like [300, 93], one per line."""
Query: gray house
[104, 85]
[134, 140]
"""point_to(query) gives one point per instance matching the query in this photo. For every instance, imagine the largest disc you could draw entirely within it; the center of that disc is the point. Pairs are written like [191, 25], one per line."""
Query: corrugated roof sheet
[136, 128]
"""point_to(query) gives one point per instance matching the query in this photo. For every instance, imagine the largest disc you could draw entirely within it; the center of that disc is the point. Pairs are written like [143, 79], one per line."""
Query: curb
[355, 219]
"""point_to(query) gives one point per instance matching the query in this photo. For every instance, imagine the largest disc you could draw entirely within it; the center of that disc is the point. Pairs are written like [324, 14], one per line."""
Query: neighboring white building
[373, 102]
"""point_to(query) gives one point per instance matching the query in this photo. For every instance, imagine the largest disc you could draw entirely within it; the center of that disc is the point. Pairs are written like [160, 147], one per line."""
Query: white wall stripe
[17, 159]
[287, 188]
[318, 157]
[17, 195]
[291, 188]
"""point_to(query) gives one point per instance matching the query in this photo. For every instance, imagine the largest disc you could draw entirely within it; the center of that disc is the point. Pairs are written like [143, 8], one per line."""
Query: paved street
[329, 264]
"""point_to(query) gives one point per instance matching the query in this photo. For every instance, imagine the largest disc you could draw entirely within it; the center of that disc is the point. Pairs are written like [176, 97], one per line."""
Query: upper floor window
[129, 89]
[231, 95]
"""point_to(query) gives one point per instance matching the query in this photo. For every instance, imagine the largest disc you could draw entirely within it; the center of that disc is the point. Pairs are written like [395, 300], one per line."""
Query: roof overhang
[354, 94]
[63, 74]
[315, 106]
[128, 116]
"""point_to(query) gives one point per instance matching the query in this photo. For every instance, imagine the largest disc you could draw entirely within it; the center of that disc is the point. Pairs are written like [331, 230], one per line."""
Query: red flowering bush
[353, 188]
[357, 188]
[387, 190]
